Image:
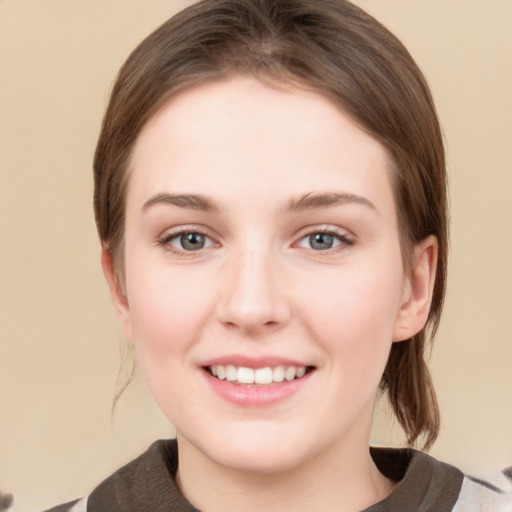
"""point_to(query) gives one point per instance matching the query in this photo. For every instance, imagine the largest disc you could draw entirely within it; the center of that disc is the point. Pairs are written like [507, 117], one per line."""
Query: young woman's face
[264, 278]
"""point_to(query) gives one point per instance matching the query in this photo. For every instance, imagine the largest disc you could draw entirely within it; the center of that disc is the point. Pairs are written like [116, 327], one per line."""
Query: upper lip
[253, 362]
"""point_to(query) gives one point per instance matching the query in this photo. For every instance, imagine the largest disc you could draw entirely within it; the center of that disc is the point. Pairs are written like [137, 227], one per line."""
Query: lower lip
[256, 395]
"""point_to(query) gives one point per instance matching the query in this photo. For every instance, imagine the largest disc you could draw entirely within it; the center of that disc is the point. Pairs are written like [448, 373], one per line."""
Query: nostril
[251, 323]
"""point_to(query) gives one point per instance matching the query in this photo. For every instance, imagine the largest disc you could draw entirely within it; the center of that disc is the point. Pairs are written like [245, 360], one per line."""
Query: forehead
[254, 138]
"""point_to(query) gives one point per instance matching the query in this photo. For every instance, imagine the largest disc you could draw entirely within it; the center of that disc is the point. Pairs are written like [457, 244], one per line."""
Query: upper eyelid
[182, 229]
[325, 228]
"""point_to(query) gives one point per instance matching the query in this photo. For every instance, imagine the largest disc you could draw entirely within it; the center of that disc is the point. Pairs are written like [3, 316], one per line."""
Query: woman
[270, 194]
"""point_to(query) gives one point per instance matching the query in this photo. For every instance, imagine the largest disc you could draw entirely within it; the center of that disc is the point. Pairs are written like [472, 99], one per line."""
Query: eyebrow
[190, 201]
[309, 201]
[312, 201]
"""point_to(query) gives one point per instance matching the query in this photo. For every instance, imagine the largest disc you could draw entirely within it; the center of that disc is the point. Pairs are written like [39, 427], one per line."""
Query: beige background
[59, 351]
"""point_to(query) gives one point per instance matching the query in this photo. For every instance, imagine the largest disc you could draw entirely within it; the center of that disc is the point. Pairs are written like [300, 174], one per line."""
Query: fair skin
[261, 234]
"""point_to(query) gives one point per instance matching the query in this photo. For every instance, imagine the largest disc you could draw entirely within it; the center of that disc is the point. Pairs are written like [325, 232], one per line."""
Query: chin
[257, 451]
[259, 462]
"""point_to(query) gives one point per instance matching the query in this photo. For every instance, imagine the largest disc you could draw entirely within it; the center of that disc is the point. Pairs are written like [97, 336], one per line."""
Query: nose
[253, 298]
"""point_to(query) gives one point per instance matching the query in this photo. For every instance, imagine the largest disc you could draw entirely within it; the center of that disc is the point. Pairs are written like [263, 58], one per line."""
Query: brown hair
[338, 50]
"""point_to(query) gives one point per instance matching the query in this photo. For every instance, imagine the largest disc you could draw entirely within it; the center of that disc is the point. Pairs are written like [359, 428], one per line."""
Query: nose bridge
[254, 297]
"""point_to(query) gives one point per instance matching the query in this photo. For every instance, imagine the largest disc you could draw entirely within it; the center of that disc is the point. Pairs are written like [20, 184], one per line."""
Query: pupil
[321, 241]
[192, 241]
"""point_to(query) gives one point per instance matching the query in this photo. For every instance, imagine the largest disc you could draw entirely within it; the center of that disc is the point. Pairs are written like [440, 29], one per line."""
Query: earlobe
[117, 294]
[418, 288]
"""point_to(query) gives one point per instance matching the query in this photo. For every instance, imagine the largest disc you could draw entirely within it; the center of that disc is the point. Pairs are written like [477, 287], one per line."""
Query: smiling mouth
[242, 375]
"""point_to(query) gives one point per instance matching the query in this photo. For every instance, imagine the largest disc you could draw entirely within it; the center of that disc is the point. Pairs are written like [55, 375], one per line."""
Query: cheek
[353, 314]
[353, 323]
[167, 313]
[168, 307]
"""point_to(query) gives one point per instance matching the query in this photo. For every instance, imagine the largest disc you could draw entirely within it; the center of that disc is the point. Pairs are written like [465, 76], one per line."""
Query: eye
[187, 241]
[323, 241]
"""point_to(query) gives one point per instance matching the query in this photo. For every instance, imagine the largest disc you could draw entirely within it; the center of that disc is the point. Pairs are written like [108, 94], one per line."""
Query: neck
[342, 479]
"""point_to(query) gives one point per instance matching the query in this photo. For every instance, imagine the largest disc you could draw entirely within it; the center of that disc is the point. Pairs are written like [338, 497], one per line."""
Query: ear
[417, 291]
[118, 295]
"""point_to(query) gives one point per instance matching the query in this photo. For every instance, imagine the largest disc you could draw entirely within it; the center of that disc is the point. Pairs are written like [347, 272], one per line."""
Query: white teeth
[263, 376]
[245, 375]
[290, 373]
[278, 374]
[231, 373]
[266, 375]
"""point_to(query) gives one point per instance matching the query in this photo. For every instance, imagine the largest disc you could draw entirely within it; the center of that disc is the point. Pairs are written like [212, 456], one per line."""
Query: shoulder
[426, 484]
[145, 483]
[72, 506]
[479, 495]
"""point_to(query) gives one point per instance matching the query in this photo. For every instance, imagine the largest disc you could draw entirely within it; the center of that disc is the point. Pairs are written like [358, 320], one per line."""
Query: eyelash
[165, 241]
[342, 239]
